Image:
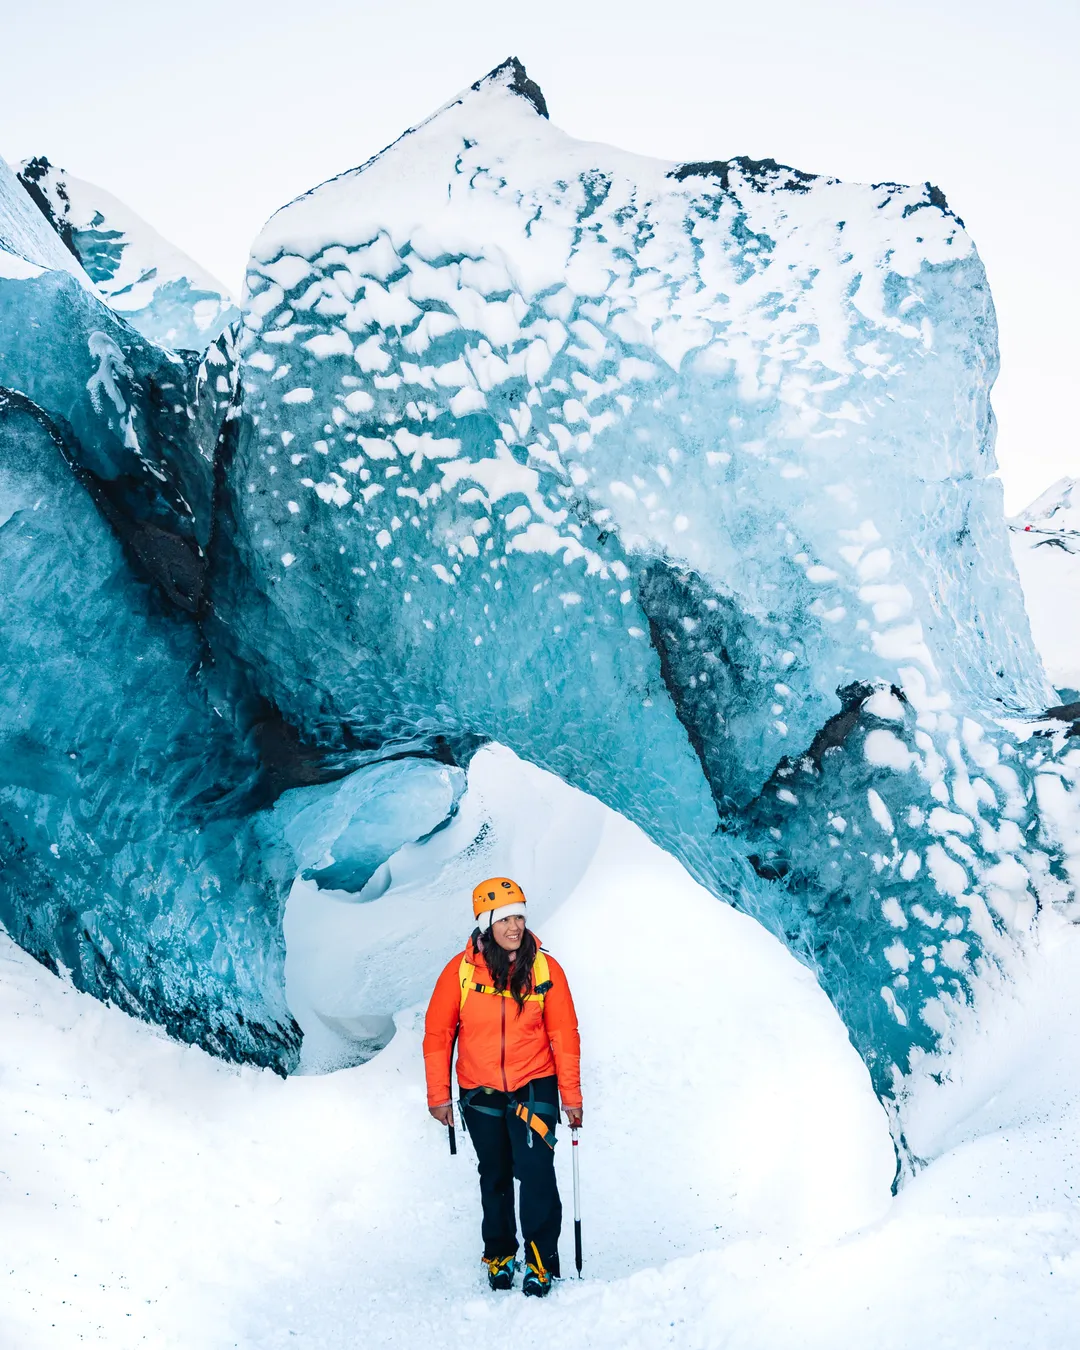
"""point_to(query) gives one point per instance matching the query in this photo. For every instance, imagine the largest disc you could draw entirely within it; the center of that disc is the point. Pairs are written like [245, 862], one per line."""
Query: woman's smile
[508, 933]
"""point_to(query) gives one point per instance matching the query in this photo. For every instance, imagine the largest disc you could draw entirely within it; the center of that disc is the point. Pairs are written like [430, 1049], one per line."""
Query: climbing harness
[530, 1111]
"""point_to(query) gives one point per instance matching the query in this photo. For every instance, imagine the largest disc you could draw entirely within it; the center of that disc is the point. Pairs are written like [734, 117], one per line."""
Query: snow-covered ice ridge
[675, 479]
[163, 293]
[27, 243]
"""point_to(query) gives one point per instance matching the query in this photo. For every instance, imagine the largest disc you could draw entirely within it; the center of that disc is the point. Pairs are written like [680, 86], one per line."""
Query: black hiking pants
[504, 1151]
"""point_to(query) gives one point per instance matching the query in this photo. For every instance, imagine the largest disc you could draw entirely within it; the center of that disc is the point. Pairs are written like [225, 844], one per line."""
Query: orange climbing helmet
[497, 898]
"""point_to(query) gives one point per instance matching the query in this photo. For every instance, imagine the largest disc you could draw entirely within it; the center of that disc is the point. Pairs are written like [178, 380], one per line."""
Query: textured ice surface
[136, 849]
[675, 480]
[139, 423]
[27, 243]
[161, 292]
[137, 852]
[1046, 549]
[124, 857]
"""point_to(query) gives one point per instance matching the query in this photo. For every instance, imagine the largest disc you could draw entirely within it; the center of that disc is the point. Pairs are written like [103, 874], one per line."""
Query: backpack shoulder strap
[541, 976]
[542, 981]
[466, 978]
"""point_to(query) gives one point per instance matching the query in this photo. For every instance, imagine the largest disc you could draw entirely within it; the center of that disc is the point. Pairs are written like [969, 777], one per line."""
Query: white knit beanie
[490, 916]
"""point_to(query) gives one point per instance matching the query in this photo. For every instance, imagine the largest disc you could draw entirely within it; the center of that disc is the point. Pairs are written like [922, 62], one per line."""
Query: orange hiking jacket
[498, 1046]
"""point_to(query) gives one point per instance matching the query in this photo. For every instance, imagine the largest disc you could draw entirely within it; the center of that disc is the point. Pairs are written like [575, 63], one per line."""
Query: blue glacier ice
[146, 845]
[676, 479]
[141, 422]
[154, 810]
[124, 858]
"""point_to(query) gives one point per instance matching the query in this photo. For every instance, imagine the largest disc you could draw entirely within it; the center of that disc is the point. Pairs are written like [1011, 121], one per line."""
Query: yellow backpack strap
[541, 977]
[541, 981]
[466, 978]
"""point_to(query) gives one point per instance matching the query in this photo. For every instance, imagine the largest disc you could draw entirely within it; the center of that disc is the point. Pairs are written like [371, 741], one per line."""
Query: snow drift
[152, 1195]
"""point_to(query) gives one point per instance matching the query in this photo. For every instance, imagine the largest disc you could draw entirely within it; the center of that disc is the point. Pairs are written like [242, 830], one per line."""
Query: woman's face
[509, 932]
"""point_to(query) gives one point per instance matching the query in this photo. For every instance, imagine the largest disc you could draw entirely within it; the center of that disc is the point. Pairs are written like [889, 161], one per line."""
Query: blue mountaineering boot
[537, 1281]
[500, 1271]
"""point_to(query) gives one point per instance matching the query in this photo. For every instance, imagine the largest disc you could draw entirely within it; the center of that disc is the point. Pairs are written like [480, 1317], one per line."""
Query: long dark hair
[515, 975]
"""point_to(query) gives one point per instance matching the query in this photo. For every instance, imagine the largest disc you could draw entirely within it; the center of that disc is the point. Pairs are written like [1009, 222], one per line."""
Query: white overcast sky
[206, 115]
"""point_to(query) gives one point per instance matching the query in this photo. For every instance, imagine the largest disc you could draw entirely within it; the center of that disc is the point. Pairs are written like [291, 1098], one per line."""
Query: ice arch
[345, 976]
[708, 1051]
[674, 479]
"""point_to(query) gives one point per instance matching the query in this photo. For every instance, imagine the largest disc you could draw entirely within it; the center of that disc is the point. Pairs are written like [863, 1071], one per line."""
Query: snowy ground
[736, 1165]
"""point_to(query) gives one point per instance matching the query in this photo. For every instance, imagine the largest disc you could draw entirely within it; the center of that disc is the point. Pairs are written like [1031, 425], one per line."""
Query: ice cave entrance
[707, 1048]
[356, 957]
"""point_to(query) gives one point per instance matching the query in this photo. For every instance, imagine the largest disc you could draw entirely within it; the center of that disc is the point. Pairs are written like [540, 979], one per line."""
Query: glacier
[674, 479]
[677, 480]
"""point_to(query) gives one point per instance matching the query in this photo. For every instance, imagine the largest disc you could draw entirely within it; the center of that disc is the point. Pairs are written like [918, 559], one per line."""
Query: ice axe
[577, 1200]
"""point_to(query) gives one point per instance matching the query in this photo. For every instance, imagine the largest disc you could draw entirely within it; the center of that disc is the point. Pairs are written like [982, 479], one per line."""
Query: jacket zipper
[502, 1042]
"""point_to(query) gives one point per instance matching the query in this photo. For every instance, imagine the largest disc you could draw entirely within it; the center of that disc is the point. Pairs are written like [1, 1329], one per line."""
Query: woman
[508, 1004]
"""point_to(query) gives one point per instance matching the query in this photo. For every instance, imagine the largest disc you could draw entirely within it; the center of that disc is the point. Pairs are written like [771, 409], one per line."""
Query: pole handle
[453, 1140]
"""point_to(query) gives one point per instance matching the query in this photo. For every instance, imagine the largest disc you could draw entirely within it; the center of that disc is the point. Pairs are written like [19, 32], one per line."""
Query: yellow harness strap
[541, 982]
[534, 1123]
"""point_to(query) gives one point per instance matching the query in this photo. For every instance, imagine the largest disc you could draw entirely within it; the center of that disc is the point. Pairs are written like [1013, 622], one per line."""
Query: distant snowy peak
[1055, 514]
[159, 290]
[1046, 548]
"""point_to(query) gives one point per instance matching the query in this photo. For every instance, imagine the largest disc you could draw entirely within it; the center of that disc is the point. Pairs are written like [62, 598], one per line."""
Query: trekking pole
[450, 1127]
[577, 1201]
